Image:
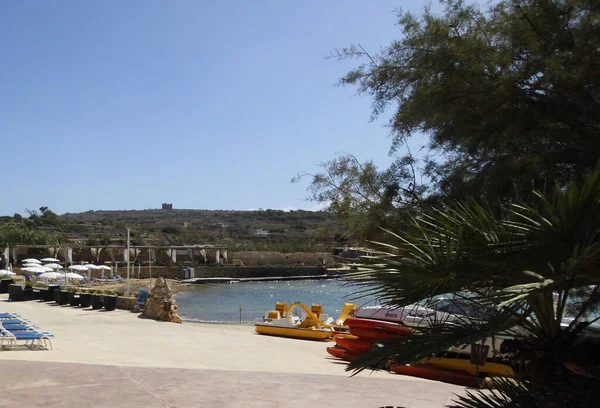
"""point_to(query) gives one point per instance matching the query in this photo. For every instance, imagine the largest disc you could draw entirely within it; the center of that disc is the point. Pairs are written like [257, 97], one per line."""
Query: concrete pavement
[50, 385]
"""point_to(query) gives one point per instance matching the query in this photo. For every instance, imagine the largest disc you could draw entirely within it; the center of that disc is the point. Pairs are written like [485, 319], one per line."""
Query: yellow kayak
[465, 365]
[295, 332]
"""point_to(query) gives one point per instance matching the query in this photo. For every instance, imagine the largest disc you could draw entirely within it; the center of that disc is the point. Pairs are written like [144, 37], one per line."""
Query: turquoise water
[219, 303]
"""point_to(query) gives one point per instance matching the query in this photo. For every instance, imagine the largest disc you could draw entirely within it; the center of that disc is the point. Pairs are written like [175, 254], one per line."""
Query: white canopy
[50, 260]
[4, 272]
[73, 275]
[78, 268]
[53, 266]
[36, 269]
[92, 266]
[50, 275]
[32, 260]
[31, 264]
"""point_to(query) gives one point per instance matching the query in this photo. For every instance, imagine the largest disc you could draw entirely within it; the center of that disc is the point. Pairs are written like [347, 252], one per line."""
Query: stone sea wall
[257, 271]
[224, 271]
[262, 258]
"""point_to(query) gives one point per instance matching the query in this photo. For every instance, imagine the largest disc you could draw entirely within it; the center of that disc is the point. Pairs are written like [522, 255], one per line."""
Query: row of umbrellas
[39, 261]
[56, 275]
[48, 271]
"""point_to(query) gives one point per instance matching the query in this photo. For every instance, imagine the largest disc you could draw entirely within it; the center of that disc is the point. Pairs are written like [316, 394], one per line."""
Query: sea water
[220, 303]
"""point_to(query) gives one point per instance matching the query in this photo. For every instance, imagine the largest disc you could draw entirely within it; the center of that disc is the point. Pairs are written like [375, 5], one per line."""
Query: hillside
[273, 230]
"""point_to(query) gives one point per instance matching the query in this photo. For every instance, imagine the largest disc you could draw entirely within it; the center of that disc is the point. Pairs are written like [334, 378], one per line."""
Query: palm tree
[529, 266]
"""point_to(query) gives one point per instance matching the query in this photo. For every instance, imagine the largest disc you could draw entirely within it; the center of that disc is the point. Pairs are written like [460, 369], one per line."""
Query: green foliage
[22, 234]
[45, 216]
[170, 230]
[521, 265]
[94, 228]
[92, 241]
[362, 195]
[508, 97]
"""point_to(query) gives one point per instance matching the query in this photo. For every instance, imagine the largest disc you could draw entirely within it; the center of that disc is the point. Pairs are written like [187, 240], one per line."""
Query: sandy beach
[121, 339]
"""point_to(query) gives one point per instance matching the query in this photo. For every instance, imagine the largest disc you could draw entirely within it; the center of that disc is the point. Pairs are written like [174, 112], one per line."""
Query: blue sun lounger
[8, 315]
[33, 339]
[17, 327]
[12, 321]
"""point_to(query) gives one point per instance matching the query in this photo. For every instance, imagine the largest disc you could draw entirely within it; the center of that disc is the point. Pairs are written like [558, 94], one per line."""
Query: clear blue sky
[128, 104]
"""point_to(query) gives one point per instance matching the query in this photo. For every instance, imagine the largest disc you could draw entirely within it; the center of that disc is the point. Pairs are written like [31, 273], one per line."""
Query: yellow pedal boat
[280, 322]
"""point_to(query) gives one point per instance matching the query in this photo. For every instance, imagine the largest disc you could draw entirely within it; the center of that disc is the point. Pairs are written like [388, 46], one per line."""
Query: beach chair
[317, 309]
[8, 315]
[141, 299]
[12, 321]
[282, 308]
[33, 339]
[17, 327]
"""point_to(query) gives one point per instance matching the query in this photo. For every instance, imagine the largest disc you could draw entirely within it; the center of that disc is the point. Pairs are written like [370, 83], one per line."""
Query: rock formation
[155, 305]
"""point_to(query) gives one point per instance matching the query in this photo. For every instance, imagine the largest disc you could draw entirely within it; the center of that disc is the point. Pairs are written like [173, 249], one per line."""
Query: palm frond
[505, 393]
[527, 260]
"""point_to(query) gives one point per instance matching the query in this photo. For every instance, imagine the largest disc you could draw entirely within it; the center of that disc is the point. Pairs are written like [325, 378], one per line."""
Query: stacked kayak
[457, 371]
[364, 333]
[430, 372]
[373, 330]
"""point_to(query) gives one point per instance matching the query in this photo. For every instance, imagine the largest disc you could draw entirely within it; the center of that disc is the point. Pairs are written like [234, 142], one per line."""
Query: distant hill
[274, 230]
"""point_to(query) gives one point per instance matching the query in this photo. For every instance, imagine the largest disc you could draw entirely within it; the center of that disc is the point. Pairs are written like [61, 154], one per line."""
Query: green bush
[170, 230]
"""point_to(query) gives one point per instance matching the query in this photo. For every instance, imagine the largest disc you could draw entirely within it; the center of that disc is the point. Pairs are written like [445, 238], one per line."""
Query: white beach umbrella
[50, 260]
[35, 269]
[53, 266]
[50, 275]
[30, 264]
[73, 275]
[4, 272]
[32, 260]
[78, 267]
[91, 267]
[104, 268]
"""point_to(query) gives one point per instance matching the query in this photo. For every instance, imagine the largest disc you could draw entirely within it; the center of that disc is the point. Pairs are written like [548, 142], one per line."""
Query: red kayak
[376, 329]
[353, 344]
[341, 353]
[431, 373]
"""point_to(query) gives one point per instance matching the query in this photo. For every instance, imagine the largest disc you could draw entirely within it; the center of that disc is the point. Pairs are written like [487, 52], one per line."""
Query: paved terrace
[115, 359]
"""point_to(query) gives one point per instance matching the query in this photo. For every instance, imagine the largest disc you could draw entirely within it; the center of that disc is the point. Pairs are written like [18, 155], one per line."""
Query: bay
[219, 303]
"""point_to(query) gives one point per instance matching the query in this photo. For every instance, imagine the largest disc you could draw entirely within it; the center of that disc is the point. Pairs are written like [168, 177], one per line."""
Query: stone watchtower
[167, 206]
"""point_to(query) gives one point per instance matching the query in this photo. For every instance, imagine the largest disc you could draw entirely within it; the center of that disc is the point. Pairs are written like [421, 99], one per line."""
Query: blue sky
[208, 105]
